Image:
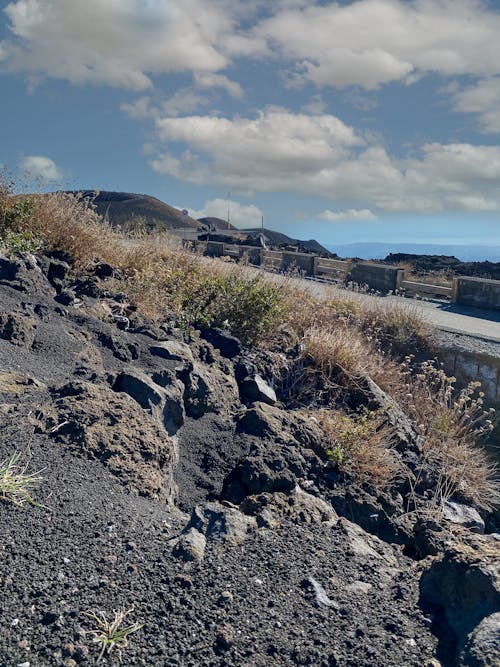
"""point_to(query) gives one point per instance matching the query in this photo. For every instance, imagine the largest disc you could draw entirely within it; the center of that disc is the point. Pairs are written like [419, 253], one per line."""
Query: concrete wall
[298, 261]
[477, 292]
[471, 367]
[381, 277]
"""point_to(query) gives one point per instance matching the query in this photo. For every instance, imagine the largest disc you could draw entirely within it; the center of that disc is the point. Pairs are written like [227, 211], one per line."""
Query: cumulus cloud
[120, 43]
[365, 42]
[240, 215]
[253, 153]
[373, 42]
[349, 214]
[320, 155]
[40, 166]
[482, 98]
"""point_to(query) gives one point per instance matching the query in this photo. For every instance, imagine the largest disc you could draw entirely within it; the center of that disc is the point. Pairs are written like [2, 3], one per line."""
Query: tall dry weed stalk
[452, 423]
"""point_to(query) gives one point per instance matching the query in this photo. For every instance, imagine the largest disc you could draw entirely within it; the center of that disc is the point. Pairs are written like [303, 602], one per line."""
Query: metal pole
[228, 225]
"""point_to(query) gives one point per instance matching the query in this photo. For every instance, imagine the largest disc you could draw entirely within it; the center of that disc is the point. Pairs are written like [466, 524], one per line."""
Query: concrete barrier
[380, 277]
[298, 261]
[215, 249]
[272, 259]
[415, 288]
[477, 292]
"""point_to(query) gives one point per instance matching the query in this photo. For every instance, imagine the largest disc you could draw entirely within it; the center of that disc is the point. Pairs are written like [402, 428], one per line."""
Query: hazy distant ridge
[466, 253]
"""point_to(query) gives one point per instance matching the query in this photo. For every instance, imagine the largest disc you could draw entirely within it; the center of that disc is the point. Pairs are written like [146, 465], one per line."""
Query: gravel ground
[302, 592]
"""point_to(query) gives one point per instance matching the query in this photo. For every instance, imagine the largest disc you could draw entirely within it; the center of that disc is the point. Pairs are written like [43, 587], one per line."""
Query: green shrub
[247, 308]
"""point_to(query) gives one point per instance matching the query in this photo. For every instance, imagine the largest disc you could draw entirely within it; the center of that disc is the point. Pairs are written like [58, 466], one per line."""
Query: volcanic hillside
[126, 208]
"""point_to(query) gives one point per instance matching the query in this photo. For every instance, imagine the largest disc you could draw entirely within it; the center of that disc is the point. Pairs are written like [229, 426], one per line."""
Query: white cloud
[240, 215]
[253, 153]
[39, 166]
[116, 42]
[482, 98]
[316, 106]
[372, 42]
[212, 80]
[319, 155]
[349, 214]
[369, 43]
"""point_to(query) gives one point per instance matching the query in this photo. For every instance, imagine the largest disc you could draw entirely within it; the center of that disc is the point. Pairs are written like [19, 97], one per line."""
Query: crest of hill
[122, 208]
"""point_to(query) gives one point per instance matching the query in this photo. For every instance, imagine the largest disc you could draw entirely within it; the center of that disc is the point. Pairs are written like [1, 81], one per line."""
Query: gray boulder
[463, 515]
[465, 582]
[173, 350]
[255, 388]
[222, 523]
[482, 648]
[191, 545]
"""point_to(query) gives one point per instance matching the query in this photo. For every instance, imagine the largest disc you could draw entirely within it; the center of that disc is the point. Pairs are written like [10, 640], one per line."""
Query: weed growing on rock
[110, 634]
[16, 485]
[360, 445]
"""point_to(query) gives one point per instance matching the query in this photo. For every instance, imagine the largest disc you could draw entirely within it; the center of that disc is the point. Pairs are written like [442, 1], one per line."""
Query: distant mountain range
[466, 253]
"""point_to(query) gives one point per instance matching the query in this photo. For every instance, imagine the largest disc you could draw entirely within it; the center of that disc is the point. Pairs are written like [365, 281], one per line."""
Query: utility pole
[228, 199]
[262, 224]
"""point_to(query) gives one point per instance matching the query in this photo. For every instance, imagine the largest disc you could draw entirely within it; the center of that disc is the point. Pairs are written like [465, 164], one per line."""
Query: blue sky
[369, 120]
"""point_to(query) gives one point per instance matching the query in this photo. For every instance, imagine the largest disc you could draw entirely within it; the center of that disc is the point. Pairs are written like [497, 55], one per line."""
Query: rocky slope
[174, 484]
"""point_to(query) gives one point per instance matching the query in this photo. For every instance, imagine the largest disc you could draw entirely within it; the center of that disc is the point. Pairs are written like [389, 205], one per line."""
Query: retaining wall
[477, 292]
[381, 277]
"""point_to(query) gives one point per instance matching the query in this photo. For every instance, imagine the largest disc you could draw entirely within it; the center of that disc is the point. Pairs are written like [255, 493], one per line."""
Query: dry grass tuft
[111, 634]
[361, 446]
[452, 424]
[16, 484]
[340, 354]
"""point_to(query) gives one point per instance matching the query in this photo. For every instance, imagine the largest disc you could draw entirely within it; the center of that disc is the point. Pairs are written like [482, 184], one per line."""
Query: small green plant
[16, 485]
[111, 634]
[360, 445]
[21, 211]
[16, 242]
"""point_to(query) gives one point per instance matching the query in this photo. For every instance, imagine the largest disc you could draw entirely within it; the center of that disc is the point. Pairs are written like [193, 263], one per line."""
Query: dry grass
[16, 484]
[341, 337]
[361, 446]
[452, 424]
[341, 354]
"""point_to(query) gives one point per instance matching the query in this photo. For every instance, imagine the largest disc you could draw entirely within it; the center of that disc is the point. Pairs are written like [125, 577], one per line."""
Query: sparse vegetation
[333, 343]
[451, 423]
[111, 634]
[360, 445]
[16, 484]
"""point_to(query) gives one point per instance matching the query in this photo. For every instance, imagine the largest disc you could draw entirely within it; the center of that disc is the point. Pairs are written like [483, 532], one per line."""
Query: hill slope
[124, 208]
